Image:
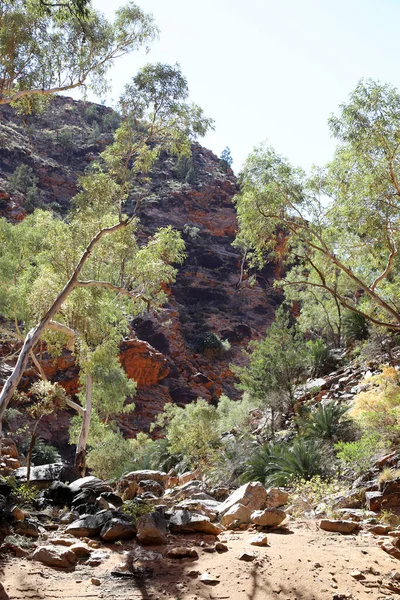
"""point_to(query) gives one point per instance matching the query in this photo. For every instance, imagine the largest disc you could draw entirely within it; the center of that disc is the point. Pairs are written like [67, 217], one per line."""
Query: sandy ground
[302, 562]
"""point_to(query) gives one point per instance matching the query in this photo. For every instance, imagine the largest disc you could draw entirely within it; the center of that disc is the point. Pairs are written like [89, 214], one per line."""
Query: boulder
[89, 525]
[152, 529]
[206, 507]
[27, 527]
[130, 491]
[247, 556]
[185, 491]
[253, 495]
[8, 448]
[276, 497]
[351, 499]
[3, 593]
[188, 476]
[143, 475]
[270, 517]
[373, 501]
[259, 540]
[390, 549]
[391, 494]
[339, 526]
[55, 556]
[96, 485]
[238, 512]
[209, 579]
[117, 529]
[60, 494]
[112, 498]
[184, 521]
[150, 486]
[181, 552]
[80, 550]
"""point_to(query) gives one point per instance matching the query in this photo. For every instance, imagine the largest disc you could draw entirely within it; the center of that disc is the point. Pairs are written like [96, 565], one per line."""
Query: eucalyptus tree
[342, 222]
[50, 47]
[83, 278]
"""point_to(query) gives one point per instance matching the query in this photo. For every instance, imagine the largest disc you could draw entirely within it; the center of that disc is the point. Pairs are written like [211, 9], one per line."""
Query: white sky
[270, 69]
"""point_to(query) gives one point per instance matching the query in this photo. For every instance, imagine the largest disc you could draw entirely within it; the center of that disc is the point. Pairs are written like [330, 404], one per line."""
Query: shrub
[377, 409]
[388, 475]
[278, 464]
[315, 489]
[24, 180]
[358, 456]
[319, 357]
[112, 458]
[111, 121]
[354, 327]
[44, 454]
[192, 432]
[136, 509]
[324, 421]
[211, 345]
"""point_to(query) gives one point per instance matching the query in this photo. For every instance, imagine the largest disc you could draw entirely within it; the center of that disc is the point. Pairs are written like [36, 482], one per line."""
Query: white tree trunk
[80, 456]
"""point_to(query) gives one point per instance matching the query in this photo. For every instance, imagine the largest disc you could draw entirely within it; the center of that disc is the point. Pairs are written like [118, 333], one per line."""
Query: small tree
[192, 432]
[226, 159]
[276, 365]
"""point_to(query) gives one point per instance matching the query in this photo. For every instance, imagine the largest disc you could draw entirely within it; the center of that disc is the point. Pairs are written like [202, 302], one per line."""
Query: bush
[111, 121]
[378, 408]
[358, 456]
[136, 509]
[192, 432]
[112, 458]
[320, 358]
[315, 489]
[354, 327]
[278, 464]
[211, 345]
[324, 421]
[24, 180]
[44, 454]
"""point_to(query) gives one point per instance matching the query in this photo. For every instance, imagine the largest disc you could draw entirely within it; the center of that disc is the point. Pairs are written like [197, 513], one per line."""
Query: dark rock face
[164, 353]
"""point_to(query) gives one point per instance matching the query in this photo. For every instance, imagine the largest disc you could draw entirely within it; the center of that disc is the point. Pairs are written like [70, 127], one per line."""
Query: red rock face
[164, 355]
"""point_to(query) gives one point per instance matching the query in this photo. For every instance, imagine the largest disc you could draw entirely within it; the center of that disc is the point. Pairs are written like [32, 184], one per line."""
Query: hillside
[165, 353]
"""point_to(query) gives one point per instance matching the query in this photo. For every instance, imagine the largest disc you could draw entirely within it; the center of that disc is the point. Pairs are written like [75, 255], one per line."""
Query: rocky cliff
[169, 354]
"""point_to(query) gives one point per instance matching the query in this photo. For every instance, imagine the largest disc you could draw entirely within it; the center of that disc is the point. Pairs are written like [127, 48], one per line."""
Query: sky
[270, 70]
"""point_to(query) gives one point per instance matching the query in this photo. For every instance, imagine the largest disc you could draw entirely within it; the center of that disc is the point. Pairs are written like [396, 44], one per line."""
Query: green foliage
[377, 408]
[24, 180]
[111, 456]
[358, 456]
[226, 159]
[235, 414]
[355, 327]
[279, 464]
[47, 47]
[320, 358]
[94, 135]
[23, 492]
[211, 345]
[276, 364]
[325, 421]
[347, 245]
[314, 490]
[111, 122]
[192, 432]
[136, 509]
[44, 454]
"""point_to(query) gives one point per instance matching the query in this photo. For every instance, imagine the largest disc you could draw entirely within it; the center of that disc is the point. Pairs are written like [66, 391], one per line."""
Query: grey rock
[152, 529]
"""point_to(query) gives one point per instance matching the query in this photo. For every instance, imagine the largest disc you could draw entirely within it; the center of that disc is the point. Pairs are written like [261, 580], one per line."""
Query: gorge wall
[164, 352]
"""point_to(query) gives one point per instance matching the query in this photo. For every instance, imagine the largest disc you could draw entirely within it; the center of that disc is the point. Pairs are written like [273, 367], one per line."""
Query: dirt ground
[301, 562]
